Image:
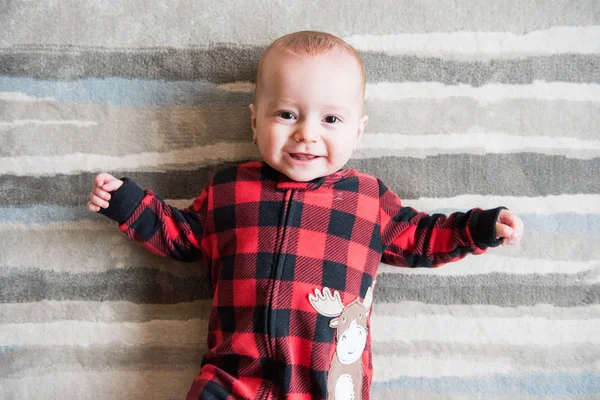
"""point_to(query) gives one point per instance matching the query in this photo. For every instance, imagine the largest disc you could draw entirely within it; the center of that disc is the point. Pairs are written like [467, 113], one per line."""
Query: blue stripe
[8, 349]
[42, 214]
[547, 385]
[559, 222]
[125, 92]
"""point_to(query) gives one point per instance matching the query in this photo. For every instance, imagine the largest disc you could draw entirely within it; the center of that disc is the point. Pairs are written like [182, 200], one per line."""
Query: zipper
[277, 271]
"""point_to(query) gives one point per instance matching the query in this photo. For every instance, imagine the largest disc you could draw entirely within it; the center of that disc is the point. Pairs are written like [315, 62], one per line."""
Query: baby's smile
[303, 156]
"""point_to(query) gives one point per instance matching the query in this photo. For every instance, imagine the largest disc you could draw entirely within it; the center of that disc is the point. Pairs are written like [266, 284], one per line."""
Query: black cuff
[483, 227]
[123, 201]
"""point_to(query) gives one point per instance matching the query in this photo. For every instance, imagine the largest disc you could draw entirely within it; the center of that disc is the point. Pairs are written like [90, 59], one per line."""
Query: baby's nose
[306, 133]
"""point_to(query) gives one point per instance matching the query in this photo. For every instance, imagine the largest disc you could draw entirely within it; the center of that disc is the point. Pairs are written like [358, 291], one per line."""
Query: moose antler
[327, 304]
[369, 298]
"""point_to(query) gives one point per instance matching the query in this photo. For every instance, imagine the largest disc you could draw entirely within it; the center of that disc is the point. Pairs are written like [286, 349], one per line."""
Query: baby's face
[308, 117]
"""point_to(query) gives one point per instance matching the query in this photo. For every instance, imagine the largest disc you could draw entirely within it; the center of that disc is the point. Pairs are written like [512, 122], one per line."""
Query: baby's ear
[253, 119]
[362, 123]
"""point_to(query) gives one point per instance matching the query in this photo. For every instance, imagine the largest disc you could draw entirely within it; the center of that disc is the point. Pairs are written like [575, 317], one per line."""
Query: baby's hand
[101, 188]
[510, 227]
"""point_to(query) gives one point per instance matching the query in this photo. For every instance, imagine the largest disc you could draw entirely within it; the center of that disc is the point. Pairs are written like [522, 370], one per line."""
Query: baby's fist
[509, 227]
[103, 185]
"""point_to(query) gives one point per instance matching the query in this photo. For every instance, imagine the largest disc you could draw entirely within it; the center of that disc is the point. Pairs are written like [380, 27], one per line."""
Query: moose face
[351, 332]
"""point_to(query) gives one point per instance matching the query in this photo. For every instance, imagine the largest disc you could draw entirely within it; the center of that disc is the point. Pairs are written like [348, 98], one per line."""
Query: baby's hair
[311, 43]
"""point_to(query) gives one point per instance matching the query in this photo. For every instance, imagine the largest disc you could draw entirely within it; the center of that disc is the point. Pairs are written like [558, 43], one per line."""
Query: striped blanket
[471, 103]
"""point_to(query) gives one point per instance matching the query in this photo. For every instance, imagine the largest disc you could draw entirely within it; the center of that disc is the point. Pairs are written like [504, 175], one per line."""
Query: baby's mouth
[302, 156]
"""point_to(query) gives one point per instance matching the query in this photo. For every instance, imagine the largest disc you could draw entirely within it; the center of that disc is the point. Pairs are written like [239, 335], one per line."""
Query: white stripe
[22, 97]
[492, 264]
[120, 310]
[475, 142]
[554, 40]
[485, 94]
[24, 122]
[241, 86]
[390, 367]
[513, 331]
[441, 328]
[544, 205]
[78, 333]
[415, 308]
[147, 161]
[490, 93]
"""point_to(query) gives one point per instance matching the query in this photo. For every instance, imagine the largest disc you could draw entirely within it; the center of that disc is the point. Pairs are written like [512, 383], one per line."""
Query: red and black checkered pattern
[269, 242]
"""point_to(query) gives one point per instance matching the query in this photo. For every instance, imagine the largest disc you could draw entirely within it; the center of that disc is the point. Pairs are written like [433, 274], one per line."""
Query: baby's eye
[331, 119]
[286, 115]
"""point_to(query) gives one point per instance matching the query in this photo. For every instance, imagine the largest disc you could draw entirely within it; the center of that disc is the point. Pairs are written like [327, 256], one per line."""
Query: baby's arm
[144, 217]
[416, 239]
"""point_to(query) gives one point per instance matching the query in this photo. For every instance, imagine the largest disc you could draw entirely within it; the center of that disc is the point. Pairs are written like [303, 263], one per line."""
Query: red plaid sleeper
[292, 266]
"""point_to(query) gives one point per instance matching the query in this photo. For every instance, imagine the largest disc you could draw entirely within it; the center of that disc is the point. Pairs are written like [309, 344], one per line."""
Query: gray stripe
[439, 176]
[101, 385]
[494, 289]
[124, 311]
[563, 67]
[219, 64]
[106, 311]
[22, 361]
[577, 356]
[229, 63]
[98, 250]
[144, 285]
[492, 174]
[74, 189]
[139, 285]
[189, 23]
[119, 129]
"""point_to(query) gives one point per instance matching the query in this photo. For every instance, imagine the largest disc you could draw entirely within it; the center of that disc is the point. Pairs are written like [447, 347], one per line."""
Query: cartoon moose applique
[344, 381]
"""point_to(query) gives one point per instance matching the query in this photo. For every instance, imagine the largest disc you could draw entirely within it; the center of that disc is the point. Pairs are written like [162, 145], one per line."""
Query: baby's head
[307, 114]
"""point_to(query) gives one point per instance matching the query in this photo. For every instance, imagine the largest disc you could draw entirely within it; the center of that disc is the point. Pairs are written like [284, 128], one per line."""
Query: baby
[293, 243]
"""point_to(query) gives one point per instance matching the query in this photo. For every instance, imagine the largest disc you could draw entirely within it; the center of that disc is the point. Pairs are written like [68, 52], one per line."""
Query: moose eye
[344, 319]
[359, 315]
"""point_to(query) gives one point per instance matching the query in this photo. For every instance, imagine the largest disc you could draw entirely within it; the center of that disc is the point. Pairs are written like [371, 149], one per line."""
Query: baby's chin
[301, 176]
